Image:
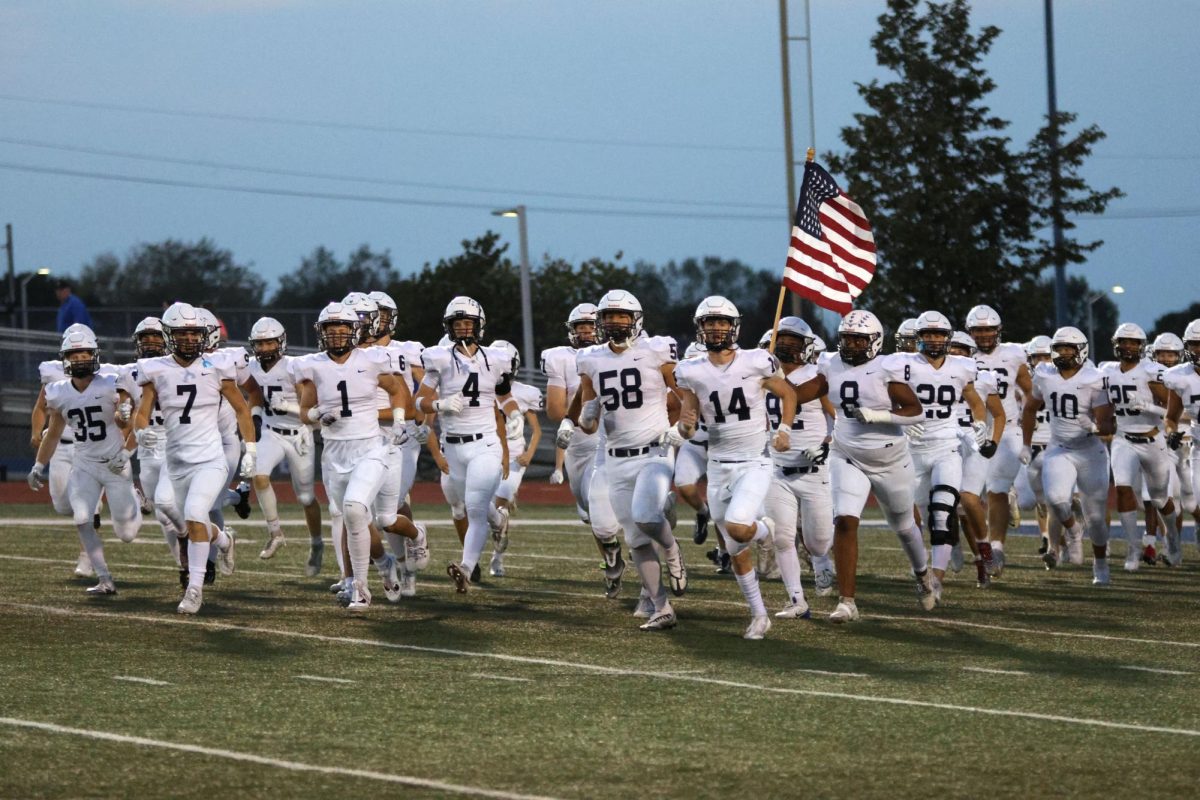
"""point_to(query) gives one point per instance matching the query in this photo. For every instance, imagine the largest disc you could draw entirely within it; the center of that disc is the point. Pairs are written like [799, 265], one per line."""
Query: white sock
[998, 545]
[269, 506]
[360, 552]
[914, 548]
[650, 571]
[760, 531]
[1130, 527]
[220, 539]
[748, 583]
[197, 554]
[337, 524]
[94, 548]
[788, 561]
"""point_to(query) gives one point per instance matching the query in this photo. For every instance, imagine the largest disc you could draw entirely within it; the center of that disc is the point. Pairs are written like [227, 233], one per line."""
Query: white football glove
[787, 439]
[1026, 455]
[566, 429]
[125, 410]
[514, 425]
[249, 460]
[556, 477]
[871, 415]
[590, 411]
[817, 454]
[116, 465]
[147, 438]
[37, 477]
[914, 432]
[422, 434]
[672, 437]
[979, 430]
[284, 407]
[399, 435]
[449, 406]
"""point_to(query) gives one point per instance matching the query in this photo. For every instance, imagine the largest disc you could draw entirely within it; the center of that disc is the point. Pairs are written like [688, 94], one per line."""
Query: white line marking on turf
[323, 679]
[77, 613]
[996, 671]
[834, 674]
[1157, 671]
[491, 677]
[251, 758]
[147, 681]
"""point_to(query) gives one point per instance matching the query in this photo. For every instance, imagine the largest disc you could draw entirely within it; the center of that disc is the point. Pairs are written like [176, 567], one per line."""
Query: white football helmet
[933, 322]
[178, 319]
[859, 328]
[387, 312]
[213, 328]
[80, 340]
[619, 333]
[266, 331]
[338, 343]
[1129, 330]
[1069, 336]
[1036, 348]
[963, 339]
[514, 355]
[1191, 340]
[696, 349]
[788, 352]
[984, 317]
[582, 314]
[817, 349]
[149, 338]
[906, 336]
[717, 307]
[1167, 349]
[460, 308]
[764, 341]
[368, 315]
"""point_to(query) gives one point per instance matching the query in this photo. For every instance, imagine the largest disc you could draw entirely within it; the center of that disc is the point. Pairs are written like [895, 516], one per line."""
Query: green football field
[536, 685]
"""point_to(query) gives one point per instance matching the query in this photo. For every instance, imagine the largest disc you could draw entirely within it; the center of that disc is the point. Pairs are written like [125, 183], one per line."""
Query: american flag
[832, 255]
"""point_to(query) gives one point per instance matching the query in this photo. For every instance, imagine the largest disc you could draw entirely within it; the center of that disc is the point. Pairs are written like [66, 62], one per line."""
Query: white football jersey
[190, 399]
[1005, 361]
[560, 368]
[701, 434]
[940, 390]
[631, 388]
[51, 371]
[347, 390]
[475, 377]
[239, 361]
[130, 383]
[1070, 401]
[90, 416]
[277, 384]
[1185, 382]
[404, 355]
[809, 427]
[1126, 388]
[863, 386]
[732, 399]
[528, 398]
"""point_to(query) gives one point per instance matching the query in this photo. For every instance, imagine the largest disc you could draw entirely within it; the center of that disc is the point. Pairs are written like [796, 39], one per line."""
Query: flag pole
[809, 156]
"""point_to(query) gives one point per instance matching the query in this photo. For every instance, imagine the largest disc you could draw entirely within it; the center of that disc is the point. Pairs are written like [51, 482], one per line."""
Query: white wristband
[251, 447]
[398, 415]
[313, 415]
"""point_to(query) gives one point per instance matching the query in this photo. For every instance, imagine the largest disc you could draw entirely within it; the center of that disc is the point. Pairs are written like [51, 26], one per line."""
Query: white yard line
[252, 758]
[508, 678]
[1157, 671]
[987, 671]
[322, 679]
[147, 681]
[124, 619]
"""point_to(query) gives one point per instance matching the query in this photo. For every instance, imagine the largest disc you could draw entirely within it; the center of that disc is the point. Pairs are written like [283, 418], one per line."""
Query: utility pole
[12, 275]
[799, 306]
[1060, 261]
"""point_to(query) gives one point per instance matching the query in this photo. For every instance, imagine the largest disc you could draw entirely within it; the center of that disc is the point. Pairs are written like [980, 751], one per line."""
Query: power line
[441, 132]
[191, 162]
[404, 201]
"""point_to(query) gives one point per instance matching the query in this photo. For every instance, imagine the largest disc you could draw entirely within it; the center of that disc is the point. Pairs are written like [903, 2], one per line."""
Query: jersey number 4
[737, 406]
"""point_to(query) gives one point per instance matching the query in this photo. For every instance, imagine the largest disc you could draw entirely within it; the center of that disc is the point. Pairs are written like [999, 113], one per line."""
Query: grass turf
[535, 684]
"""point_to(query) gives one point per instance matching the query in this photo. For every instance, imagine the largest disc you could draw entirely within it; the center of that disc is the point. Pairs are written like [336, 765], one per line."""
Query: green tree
[321, 278]
[955, 209]
[1176, 321]
[155, 273]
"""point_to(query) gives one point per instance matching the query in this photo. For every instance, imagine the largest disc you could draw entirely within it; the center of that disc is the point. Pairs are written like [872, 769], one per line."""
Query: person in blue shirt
[71, 309]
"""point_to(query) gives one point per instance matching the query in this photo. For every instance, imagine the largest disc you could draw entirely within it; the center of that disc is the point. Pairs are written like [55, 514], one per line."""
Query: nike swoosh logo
[361, 371]
[202, 374]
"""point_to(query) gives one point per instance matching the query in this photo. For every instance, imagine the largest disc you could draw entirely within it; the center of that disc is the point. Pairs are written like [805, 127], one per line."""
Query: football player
[1007, 361]
[691, 464]
[1139, 402]
[1183, 382]
[869, 451]
[188, 389]
[1074, 392]
[100, 462]
[906, 336]
[626, 386]
[465, 383]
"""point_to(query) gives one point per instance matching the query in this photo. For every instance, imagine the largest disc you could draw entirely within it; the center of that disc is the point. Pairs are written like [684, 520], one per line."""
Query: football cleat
[105, 586]
[144, 503]
[926, 594]
[476, 574]
[997, 562]
[273, 544]
[83, 567]
[210, 573]
[460, 577]
[500, 532]
[225, 558]
[614, 568]
[982, 579]
[987, 554]
[676, 571]
[1044, 546]
[660, 621]
[242, 506]
[759, 625]
[391, 581]
[496, 567]
[846, 611]
[1149, 555]
[937, 588]
[1100, 575]
[316, 555]
[416, 551]
[1050, 558]
[700, 533]
[1014, 509]
[1075, 545]
[724, 564]
[193, 598]
[795, 609]
[1133, 559]
[408, 584]
[644, 608]
[359, 596]
[337, 587]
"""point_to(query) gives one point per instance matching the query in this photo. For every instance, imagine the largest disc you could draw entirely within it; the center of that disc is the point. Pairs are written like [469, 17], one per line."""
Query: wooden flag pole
[808, 157]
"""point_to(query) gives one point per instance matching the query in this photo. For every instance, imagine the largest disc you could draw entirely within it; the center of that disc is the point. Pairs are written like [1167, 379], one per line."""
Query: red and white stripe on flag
[830, 262]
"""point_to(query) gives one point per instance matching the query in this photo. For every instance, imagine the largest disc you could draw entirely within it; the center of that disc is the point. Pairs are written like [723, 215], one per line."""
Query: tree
[321, 278]
[162, 272]
[955, 210]
[1176, 322]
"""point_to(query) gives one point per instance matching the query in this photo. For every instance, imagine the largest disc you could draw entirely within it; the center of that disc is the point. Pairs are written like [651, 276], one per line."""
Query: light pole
[1091, 317]
[527, 354]
[25, 295]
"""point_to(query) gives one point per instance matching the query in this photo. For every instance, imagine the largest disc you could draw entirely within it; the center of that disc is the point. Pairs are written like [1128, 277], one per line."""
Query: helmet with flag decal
[80, 352]
[1070, 347]
[711, 335]
[149, 338]
[337, 329]
[933, 333]
[794, 341]
[860, 335]
[1129, 342]
[581, 325]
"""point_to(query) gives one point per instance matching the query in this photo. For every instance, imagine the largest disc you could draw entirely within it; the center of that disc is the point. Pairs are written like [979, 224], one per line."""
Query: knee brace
[458, 510]
[357, 515]
[943, 500]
